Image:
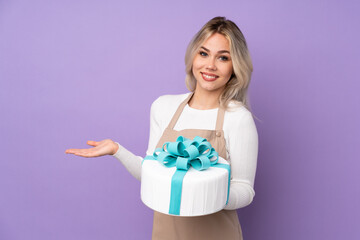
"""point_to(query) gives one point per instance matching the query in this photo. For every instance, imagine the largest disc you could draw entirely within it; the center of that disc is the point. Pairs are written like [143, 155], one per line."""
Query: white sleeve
[132, 162]
[243, 152]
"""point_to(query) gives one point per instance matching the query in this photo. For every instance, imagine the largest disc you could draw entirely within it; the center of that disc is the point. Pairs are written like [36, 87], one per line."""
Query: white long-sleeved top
[240, 135]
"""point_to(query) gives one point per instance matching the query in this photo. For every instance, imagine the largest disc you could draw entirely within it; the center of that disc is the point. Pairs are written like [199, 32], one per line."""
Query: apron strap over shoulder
[179, 111]
[220, 119]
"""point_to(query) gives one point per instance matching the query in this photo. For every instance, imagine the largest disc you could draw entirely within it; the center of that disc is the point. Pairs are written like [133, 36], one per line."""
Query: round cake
[203, 192]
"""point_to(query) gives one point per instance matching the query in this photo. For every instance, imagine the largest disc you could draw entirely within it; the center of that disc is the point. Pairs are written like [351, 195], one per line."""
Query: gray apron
[223, 225]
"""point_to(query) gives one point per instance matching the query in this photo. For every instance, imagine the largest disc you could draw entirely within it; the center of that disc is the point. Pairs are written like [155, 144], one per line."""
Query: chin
[209, 88]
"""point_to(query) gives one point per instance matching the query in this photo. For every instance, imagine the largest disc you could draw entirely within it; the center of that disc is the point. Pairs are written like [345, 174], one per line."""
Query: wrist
[115, 148]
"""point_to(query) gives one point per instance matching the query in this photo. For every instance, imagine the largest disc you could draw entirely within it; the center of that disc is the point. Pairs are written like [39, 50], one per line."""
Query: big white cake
[203, 192]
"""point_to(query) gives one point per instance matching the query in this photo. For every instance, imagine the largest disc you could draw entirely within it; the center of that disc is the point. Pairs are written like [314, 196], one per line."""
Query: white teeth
[209, 76]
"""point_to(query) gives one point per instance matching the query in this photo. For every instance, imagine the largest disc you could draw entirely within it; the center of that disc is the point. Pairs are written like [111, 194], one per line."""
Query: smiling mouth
[209, 77]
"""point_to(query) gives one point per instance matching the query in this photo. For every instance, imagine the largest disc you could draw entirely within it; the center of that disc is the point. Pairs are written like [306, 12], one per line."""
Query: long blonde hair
[236, 88]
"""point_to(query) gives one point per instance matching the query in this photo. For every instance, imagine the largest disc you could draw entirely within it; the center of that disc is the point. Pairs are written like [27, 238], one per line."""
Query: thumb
[93, 143]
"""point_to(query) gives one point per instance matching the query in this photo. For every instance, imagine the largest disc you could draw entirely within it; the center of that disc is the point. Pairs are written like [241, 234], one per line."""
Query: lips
[209, 76]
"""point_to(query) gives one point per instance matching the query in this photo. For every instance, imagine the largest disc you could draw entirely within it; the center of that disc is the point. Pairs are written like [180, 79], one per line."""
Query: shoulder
[239, 127]
[238, 115]
[169, 101]
[164, 107]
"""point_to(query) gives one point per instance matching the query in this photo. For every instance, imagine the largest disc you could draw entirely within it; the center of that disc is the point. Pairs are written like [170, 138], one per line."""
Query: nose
[211, 64]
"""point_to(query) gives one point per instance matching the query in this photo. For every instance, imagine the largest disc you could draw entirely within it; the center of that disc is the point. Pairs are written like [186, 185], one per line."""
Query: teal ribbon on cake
[183, 154]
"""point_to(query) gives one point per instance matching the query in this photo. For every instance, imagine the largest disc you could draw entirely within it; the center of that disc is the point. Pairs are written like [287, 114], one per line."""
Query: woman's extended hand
[104, 147]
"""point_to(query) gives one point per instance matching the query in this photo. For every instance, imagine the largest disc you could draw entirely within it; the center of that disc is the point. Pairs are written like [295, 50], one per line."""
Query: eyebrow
[221, 51]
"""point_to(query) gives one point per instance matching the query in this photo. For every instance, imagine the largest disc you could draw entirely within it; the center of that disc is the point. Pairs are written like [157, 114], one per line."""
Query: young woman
[218, 72]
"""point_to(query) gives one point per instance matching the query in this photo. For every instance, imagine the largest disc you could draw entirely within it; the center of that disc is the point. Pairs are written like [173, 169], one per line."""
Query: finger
[86, 154]
[69, 151]
[84, 151]
[81, 154]
[92, 143]
[72, 150]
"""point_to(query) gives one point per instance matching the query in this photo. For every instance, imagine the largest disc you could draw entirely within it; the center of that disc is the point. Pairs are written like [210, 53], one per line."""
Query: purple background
[72, 71]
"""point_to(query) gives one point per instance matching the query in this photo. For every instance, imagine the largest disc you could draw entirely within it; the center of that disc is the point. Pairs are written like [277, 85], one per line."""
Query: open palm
[104, 147]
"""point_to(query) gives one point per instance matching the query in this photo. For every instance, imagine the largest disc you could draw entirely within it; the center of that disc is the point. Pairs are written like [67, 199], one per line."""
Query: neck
[204, 100]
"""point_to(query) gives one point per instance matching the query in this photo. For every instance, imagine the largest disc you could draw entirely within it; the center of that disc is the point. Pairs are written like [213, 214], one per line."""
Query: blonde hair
[236, 88]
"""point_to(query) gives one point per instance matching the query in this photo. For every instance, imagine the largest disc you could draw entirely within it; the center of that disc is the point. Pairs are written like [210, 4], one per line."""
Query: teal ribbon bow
[183, 154]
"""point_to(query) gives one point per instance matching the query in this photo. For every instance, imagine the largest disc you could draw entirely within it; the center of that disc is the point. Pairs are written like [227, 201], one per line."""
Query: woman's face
[212, 65]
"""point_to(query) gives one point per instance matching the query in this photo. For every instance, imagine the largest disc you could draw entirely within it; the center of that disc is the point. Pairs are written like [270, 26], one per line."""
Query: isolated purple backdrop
[72, 71]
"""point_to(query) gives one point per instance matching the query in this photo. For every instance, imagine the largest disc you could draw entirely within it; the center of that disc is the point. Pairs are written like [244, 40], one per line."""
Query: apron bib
[222, 225]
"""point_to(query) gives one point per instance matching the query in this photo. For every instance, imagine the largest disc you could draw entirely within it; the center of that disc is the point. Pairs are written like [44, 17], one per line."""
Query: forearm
[241, 195]
[131, 162]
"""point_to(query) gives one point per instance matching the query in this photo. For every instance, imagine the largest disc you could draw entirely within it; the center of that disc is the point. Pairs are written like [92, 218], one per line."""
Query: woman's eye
[224, 58]
[203, 53]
